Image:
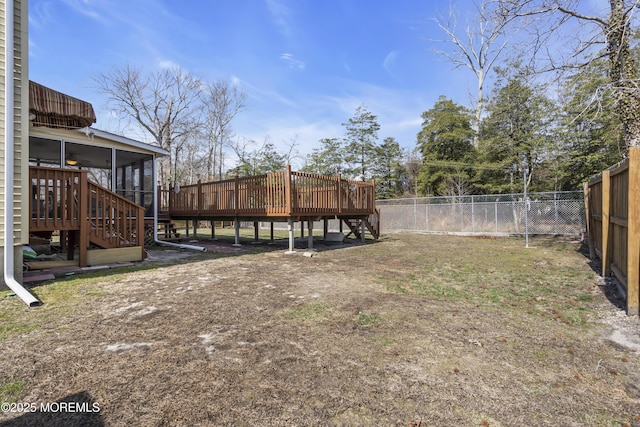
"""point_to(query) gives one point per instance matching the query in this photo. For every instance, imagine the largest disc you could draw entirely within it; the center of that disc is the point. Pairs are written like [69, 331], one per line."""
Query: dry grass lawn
[413, 330]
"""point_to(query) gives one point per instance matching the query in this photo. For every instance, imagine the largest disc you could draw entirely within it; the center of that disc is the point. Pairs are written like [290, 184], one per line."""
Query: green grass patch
[497, 274]
[383, 340]
[368, 319]
[10, 392]
[310, 311]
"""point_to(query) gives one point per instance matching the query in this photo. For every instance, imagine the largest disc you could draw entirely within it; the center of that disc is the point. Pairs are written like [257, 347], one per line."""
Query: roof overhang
[136, 145]
[54, 109]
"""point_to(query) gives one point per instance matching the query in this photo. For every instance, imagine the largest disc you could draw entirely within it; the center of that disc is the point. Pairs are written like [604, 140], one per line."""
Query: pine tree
[515, 135]
[326, 160]
[360, 141]
[446, 145]
[388, 170]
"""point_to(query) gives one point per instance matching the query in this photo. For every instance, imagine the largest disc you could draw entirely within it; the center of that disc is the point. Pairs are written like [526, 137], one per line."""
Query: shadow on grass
[76, 410]
[609, 285]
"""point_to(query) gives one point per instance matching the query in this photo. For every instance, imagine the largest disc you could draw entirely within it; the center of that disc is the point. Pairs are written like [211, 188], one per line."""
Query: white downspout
[155, 217]
[9, 140]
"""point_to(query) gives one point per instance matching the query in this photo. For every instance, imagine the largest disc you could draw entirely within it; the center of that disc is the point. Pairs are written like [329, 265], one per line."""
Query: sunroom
[92, 188]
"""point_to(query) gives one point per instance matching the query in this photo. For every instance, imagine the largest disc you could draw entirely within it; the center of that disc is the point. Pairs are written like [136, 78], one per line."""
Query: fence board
[613, 203]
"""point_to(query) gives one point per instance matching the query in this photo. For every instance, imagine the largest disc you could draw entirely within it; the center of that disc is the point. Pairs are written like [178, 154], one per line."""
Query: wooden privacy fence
[273, 195]
[612, 202]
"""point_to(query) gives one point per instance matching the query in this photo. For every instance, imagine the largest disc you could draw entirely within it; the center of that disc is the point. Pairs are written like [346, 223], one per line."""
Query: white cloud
[389, 61]
[235, 80]
[291, 61]
[281, 16]
[87, 9]
[168, 64]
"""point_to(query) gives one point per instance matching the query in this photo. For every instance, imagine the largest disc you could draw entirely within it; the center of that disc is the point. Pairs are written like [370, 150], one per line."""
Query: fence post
[587, 213]
[415, 214]
[426, 214]
[495, 209]
[633, 234]
[606, 205]
[473, 219]
[555, 211]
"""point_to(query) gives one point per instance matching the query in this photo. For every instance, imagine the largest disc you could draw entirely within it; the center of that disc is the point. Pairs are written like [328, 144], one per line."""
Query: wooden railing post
[200, 198]
[373, 195]
[140, 229]
[633, 234]
[83, 219]
[606, 207]
[288, 191]
[236, 193]
[339, 193]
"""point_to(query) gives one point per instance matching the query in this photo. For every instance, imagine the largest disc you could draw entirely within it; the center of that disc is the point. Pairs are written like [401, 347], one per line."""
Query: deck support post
[310, 229]
[362, 230]
[213, 230]
[292, 239]
[255, 230]
[272, 231]
[325, 229]
[83, 238]
[236, 226]
[302, 228]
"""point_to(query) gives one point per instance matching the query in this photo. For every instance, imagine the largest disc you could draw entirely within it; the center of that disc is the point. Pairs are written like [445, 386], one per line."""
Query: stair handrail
[121, 219]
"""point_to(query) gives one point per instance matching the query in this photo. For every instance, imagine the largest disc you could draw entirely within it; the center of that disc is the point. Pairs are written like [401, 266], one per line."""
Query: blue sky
[304, 64]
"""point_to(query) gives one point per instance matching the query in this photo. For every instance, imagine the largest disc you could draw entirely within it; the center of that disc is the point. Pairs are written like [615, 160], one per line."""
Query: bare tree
[258, 160]
[163, 103]
[613, 31]
[457, 184]
[412, 165]
[482, 44]
[222, 102]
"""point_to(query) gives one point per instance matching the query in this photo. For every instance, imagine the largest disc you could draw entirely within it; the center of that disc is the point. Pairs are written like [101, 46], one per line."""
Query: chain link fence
[559, 213]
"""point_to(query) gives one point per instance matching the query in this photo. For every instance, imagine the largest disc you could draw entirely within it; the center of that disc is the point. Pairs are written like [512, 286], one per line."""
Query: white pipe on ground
[9, 140]
[155, 218]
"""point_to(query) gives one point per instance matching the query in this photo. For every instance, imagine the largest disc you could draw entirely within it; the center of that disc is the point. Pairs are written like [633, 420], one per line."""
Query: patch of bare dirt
[350, 336]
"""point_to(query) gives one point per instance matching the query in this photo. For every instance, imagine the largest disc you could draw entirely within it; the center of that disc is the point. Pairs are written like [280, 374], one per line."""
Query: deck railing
[116, 222]
[280, 194]
[54, 198]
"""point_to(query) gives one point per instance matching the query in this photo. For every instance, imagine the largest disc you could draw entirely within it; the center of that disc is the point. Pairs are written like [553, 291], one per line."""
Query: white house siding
[21, 175]
[21, 144]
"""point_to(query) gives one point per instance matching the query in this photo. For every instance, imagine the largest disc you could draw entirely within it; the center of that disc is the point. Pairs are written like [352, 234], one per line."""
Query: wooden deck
[274, 197]
[89, 216]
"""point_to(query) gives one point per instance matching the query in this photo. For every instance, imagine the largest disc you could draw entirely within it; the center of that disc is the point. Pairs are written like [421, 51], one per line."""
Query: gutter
[9, 140]
[155, 218]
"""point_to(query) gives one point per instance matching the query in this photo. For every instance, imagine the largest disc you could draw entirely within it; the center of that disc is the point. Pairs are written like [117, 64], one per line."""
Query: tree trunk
[624, 74]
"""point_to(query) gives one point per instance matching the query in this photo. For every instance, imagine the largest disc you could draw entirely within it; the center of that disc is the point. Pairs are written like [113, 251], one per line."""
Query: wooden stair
[86, 213]
[372, 224]
[106, 239]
